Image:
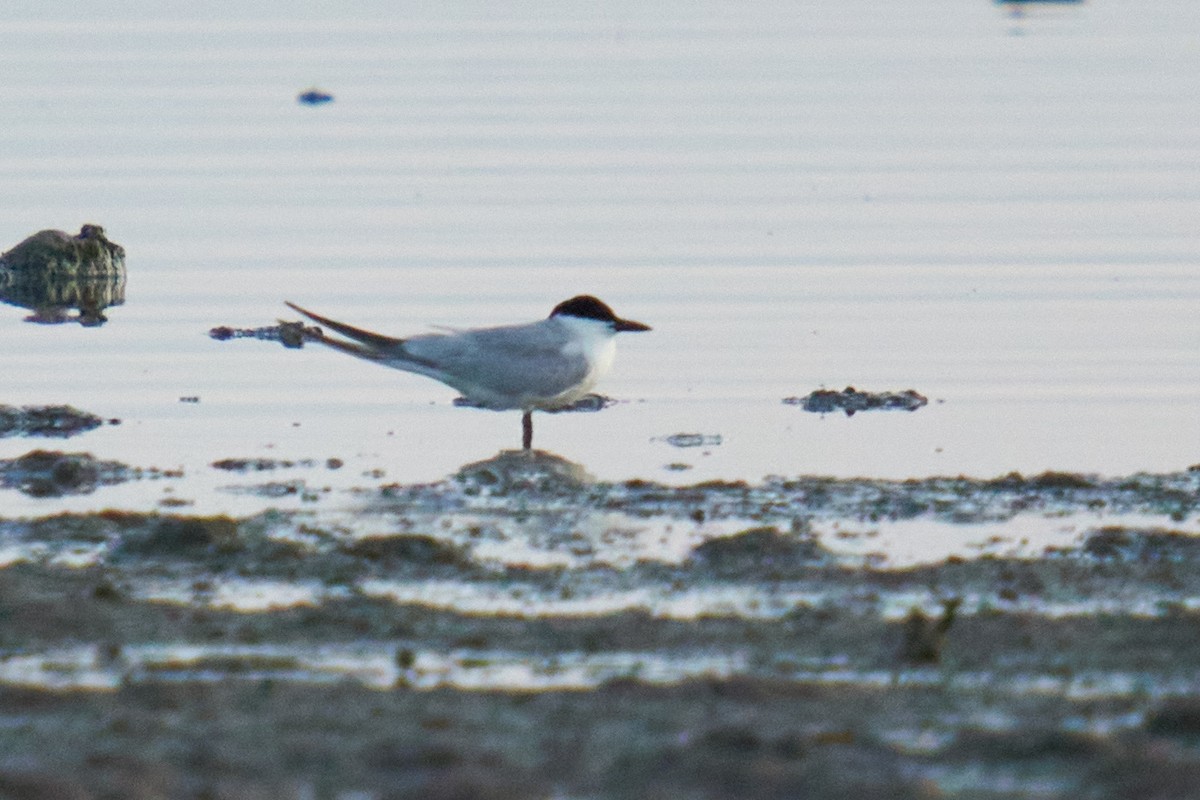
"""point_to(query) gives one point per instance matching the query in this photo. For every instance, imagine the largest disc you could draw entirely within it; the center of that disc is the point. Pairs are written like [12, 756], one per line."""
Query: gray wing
[513, 360]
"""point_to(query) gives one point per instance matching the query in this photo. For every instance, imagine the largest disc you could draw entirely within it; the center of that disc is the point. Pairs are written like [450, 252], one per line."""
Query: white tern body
[541, 365]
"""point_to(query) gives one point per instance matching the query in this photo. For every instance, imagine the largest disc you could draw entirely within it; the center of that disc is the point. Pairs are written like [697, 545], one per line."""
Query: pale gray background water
[999, 212]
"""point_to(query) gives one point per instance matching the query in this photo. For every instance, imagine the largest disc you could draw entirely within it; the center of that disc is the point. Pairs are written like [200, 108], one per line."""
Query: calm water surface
[999, 212]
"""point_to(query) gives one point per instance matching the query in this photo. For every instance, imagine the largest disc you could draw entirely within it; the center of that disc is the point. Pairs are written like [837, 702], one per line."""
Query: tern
[543, 365]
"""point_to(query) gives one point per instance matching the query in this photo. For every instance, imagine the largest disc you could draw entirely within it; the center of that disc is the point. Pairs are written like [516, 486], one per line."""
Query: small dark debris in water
[46, 473]
[851, 400]
[334, 463]
[54, 252]
[314, 97]
[175, 502]
[924, 637]
[58, 422]
[280, 489]
[259, 464]
[246, 464]
[189, 399]
[677, 466]
[289, 334]
[692, 440]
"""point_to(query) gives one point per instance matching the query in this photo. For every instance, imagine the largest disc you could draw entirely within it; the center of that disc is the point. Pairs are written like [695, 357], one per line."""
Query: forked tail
[369, 345]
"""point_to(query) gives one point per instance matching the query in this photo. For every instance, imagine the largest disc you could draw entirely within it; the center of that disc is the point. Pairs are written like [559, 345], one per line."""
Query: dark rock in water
[42, 473]
[314, 97]
[53, 273]
[53, 421]
[50, 251]
[851, 400]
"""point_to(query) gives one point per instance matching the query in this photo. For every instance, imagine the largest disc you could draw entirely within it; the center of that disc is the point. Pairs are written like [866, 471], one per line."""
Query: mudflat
[519, 630]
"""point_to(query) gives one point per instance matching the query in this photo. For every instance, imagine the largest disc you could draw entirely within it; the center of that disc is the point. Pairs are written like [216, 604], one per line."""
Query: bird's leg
[527, 431]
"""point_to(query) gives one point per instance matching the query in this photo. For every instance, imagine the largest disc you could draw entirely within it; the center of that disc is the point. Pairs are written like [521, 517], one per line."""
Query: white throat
[594, 339]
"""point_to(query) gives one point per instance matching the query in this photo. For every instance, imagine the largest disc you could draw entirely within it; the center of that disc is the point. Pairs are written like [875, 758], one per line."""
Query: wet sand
[387, 650]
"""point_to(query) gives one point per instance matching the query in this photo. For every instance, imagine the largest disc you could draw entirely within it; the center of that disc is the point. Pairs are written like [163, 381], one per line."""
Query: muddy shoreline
[396, 647]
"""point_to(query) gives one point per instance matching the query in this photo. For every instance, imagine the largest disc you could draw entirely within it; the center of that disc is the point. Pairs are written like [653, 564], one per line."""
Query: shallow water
[997, 211]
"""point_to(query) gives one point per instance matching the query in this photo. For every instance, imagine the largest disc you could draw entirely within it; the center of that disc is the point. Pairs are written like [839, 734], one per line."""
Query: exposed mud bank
[520, 630]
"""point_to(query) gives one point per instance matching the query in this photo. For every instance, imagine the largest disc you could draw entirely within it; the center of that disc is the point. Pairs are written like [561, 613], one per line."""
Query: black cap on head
[585, 306]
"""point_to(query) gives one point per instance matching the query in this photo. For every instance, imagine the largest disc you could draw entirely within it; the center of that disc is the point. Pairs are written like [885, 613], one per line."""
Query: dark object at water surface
[42, 473]
[53, 421]
[53, 273]
[87, 254]
[314, 97]
[851, 400]
[289, 334]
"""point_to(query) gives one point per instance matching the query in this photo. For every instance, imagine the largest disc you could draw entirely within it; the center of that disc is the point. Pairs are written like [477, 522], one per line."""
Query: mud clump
[53, 273]
[851, 401]
[260, 464]
[758, 549]
[523, 472]
[184, 536]
[46, 473]
[54, 252]
[49, 421]
[925, 638]
[683, 440]
[407, 549]
[1139, 545]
